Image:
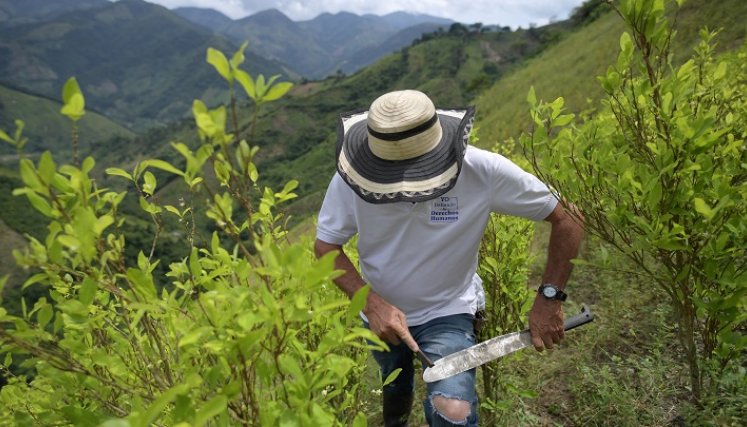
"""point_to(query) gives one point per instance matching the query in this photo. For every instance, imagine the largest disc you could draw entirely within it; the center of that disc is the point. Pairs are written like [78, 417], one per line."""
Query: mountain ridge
[320, 46]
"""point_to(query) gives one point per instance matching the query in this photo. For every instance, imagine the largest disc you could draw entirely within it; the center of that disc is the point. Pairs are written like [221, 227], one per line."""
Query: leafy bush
[247, 335]
[659, 173]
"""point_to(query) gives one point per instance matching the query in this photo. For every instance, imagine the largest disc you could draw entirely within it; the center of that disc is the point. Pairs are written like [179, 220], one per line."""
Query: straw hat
[402, 148]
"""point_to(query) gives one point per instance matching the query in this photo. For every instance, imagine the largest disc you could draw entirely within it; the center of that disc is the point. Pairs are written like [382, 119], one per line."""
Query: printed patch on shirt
[444, 210]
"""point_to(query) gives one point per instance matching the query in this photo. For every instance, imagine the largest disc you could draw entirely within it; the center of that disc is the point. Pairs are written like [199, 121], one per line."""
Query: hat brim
[425, 177]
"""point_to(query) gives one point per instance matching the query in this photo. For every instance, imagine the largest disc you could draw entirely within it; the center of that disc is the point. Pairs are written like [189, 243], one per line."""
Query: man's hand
[388, 322]
[546, 323]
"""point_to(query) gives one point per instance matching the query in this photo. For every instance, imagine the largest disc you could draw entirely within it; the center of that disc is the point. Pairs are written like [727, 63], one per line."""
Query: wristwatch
[550, 291]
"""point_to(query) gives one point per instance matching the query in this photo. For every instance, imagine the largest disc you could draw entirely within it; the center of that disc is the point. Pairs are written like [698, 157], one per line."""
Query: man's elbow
[567, 216]
[322, 247]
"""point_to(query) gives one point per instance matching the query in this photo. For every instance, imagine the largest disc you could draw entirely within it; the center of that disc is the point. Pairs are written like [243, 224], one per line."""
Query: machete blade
[476, 355]
[492, 349]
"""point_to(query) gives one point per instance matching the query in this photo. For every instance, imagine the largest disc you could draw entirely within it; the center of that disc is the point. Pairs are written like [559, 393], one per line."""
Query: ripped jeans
[436, 338]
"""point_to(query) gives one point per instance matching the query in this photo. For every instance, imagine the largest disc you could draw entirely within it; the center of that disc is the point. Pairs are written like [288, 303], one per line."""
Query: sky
[512, 13]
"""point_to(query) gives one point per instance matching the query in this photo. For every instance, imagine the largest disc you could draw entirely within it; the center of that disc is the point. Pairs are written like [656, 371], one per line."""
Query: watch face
[549, 292]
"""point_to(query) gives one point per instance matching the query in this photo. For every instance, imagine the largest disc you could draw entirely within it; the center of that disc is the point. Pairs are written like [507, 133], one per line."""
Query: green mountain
[402, 38]
[273, 35]
[208, 18]
[136, 62]
[47, 129]
[320, 46]
[13, 12]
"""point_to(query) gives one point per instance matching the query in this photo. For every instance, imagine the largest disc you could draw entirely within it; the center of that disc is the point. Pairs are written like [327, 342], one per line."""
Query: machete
[492, 349]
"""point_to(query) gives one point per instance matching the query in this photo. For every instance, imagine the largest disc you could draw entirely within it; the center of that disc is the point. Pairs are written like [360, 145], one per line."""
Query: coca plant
[246, 331]
[660, 173]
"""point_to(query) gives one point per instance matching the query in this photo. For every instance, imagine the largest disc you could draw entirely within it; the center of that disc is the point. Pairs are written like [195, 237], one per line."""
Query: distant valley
[141, 64]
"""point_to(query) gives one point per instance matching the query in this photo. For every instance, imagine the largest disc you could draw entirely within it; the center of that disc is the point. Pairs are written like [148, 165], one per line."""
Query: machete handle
[580, 319]
[424, 359]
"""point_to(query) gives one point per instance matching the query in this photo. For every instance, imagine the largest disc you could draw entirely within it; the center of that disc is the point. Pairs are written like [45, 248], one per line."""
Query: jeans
[436, 338]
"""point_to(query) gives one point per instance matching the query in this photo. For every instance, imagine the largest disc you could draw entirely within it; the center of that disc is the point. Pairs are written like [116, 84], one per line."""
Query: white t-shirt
[422, 257]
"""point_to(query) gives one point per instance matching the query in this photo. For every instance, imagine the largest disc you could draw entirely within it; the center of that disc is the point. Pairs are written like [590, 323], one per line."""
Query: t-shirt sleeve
[519, 193]
[336, 223]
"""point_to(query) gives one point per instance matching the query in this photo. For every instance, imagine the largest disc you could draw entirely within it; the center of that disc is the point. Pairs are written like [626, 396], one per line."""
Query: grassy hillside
[46, 128]
[569, 69]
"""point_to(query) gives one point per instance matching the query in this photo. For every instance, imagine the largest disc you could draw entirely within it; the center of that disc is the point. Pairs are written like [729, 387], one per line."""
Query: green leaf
[29, 176]
[36, 278]
[47, 167]
[44, 315]
[142, 283]
[212, 408]
[358, 302]
[80, 417]
[277, 91]
[4, 136]
[88, 164]
[149, 183]
[392, 376]
[721, 70]
[101, 223]
[70, 89]
[702, 208]
[289, 186]
[253, 172]
[74, 109]
[205, 123]
[220, 63]
[260, 86]
[173, 210]
[626, 42]
[73, 101]
[151, 208]
[563, 119]
[119, 172]
[532, 97]
[686, 70]
[238, 57]
[87, 291]
[40, 204]
[246, 81]
[163, 165]
[194, 336]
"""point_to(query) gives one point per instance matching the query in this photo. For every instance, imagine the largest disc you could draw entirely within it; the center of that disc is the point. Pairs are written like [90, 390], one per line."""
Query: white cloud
[513, 13]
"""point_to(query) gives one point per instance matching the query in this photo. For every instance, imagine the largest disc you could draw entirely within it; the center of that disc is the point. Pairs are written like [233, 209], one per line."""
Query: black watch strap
[552, 292]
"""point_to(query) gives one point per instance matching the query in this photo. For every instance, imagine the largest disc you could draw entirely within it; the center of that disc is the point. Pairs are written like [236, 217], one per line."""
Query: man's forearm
[385, 320]
[565, 240]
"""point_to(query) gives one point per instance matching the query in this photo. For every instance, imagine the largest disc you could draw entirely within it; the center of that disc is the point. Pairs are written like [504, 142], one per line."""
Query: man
[419, 199]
